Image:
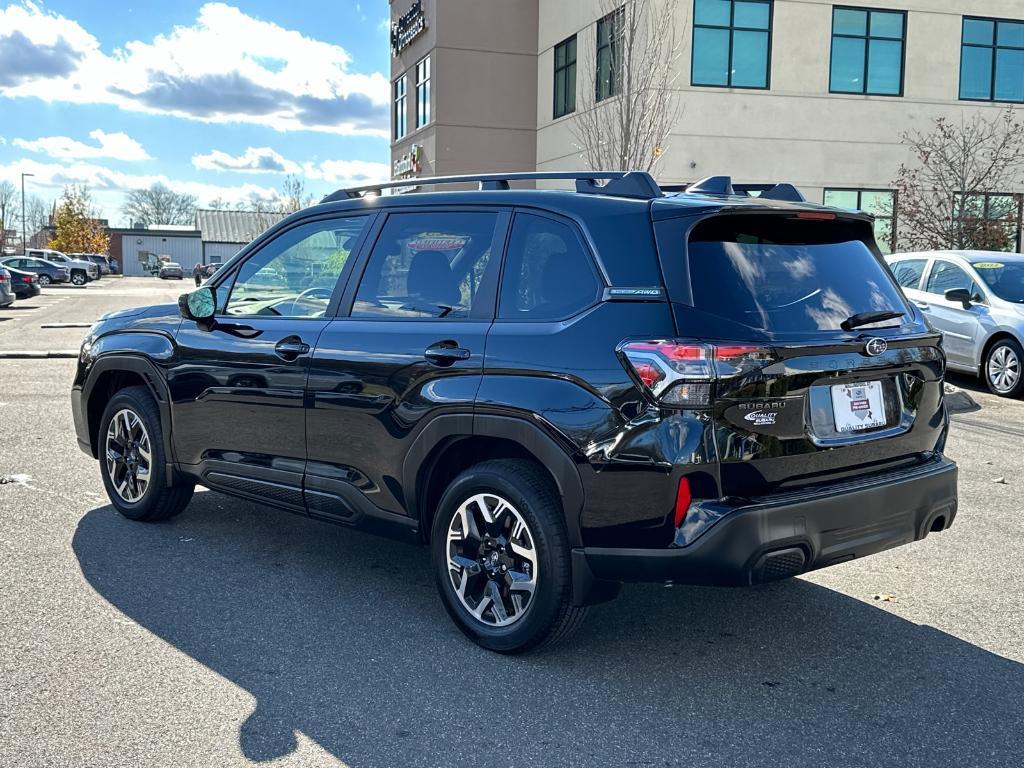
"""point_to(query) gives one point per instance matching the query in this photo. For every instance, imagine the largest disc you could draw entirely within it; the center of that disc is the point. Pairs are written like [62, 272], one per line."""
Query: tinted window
[426, 265]
[731, 41]
[548, 275]
[908, 272]
[295, 274]
[946, 276]
[1004, 280]
[780, 276]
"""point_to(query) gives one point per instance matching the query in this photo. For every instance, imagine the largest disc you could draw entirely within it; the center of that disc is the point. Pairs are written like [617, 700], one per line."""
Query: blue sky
[217, 99]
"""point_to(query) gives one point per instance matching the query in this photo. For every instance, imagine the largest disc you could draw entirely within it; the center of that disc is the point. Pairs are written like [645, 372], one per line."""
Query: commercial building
[814, 93]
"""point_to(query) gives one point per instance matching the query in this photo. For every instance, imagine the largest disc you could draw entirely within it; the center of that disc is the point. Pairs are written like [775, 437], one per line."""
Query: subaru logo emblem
[876, 346]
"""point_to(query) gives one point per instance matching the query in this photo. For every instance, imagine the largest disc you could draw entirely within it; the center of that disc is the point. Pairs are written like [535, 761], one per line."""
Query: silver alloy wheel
[129, 455]
[492, 560]
[44, 279]
[1004, 368]
[78, 278]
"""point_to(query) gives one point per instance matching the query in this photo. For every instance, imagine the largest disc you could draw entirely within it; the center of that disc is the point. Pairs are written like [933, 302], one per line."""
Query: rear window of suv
[779, 274]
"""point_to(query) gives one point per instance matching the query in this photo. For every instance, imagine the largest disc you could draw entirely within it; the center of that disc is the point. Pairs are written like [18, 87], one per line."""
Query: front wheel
[1004, 368]
[44, 279]
[79, 278]
[501, 557]
[132, 459]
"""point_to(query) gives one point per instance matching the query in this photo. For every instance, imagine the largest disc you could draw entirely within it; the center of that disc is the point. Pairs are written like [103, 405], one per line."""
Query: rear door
[961, 326]
[801, 397]
[408, 347]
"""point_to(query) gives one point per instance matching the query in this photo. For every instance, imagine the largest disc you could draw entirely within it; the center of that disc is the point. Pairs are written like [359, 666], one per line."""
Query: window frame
[563, 72]
[585, 246]
[987, 196]
[925, 264]
[614, 35]
[867, 38]
[732, 29]
[423, 88]
[400, 107]
[968, 271]
[224, 279]
[485, 305]
[860, 190]
[994, 48]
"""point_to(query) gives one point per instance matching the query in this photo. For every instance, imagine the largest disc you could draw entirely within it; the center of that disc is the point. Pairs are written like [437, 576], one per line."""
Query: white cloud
[347, 173]
[226, 67]
[253, 160]
[117, 146]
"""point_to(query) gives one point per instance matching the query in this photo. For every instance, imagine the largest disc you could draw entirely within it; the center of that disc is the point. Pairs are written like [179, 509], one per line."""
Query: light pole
[24, 242]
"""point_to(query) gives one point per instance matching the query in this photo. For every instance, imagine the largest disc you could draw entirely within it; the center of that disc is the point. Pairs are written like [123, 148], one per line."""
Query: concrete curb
[37, 354]
[958, 401]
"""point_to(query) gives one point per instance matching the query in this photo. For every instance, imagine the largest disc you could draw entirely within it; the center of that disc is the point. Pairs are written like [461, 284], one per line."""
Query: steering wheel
[314, 291]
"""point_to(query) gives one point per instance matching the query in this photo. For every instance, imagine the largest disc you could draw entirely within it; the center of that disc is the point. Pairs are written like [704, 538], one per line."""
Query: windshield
[781, 275]
[1005, 280]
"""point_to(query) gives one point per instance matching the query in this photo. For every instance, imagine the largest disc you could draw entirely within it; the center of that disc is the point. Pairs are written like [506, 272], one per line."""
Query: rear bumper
[789, 534]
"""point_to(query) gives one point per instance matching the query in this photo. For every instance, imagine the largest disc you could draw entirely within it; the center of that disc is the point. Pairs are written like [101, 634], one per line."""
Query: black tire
[78, 277]
[1006, 356]
[160, 500]
[549, 615]
[44, 279]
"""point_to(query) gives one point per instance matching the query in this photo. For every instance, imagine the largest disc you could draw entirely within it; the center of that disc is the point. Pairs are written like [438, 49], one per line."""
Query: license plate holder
[858, 406]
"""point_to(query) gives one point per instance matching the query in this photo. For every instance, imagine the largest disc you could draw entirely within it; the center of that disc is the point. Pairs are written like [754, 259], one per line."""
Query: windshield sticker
[988, 265]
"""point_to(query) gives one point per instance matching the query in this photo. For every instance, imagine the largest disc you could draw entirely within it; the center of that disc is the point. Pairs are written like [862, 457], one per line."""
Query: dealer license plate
[858, 406]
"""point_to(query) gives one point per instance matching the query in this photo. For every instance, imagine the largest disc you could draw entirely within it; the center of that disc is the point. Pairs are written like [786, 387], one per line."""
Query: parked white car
[976, 298]
[82, 271]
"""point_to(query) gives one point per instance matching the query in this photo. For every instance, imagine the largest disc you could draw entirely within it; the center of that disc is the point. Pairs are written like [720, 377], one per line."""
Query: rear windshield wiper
[866, 318]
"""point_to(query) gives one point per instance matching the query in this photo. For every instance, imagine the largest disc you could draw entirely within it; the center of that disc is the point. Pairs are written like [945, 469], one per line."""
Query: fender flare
[150, 374]
[449, 427]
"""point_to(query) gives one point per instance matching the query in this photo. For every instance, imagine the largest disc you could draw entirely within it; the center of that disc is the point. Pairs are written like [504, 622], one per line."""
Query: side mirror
[959, 294]
[199, 305]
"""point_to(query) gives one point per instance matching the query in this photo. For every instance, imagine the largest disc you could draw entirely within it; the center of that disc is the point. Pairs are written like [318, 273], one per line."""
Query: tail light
[682, 374]
[26, 279]
[3, 277]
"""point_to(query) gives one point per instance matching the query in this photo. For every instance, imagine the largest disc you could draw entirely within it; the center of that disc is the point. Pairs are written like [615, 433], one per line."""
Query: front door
[960, 325]
[411, 349]
[238, 383]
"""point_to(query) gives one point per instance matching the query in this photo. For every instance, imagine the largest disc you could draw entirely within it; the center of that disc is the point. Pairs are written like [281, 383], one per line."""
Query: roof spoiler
[722, 185]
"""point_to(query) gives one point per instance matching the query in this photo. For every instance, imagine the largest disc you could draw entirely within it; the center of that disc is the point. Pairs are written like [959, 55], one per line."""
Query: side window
[946, 276]
[294, 275]
[548, 275]
[426, 265]
[908, 272]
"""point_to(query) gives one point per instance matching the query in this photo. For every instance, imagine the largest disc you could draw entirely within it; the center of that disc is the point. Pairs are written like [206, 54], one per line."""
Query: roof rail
[638, 184]
[722, 185]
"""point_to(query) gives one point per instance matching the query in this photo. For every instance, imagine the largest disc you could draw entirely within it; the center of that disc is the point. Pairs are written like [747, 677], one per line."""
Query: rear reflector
[683, 499]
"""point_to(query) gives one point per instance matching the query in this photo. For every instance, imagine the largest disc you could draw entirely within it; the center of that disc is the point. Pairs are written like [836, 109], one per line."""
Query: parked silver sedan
[976, 298]
[171, 269]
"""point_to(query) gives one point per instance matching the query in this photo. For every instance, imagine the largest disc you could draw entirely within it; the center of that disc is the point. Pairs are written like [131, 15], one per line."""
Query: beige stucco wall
[796, 131]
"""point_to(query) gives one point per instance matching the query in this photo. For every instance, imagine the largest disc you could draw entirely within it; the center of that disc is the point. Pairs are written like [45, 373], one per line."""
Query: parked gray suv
[976, 298]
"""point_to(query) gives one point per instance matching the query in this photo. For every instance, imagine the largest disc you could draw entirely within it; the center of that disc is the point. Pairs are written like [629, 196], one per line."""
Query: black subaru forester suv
[556, 391]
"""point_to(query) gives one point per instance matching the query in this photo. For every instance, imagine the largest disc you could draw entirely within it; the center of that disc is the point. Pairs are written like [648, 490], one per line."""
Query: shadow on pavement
[340, 635]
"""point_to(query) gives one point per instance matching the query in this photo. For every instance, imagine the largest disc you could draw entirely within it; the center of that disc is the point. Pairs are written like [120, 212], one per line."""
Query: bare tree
[955, 192]
[295, 197]
[628, 129]
[7, 206]
[159, 205]
[37, 218]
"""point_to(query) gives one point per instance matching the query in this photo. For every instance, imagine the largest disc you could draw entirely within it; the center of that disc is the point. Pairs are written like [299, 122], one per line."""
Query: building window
[565, 77]
[880, 203]
[867, 51]
[401, 126]
[731, 43]
[423, 92]
[992, 60]
[609, 54]
[993, 218]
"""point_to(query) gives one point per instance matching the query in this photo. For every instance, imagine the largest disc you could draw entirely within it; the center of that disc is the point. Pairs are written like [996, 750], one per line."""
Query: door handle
[290, 348]
[921, 304]
[446, 353]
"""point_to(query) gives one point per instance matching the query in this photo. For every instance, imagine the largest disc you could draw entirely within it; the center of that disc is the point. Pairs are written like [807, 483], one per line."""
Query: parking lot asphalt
[237, 635]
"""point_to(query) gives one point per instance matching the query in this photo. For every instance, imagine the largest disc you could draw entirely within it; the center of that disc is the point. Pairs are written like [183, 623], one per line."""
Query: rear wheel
[132, 459]
[44, 279]
[1004, 368]
[501, 557]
